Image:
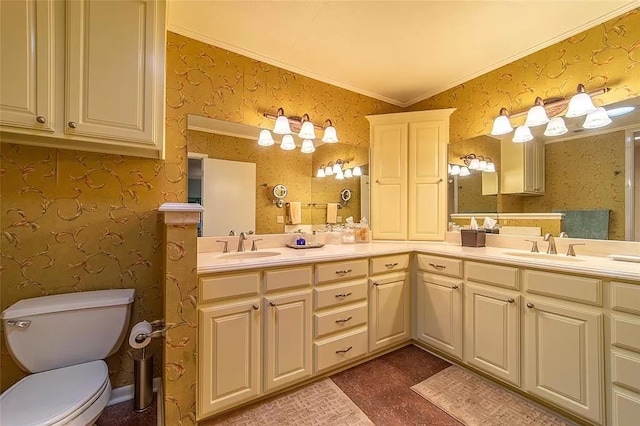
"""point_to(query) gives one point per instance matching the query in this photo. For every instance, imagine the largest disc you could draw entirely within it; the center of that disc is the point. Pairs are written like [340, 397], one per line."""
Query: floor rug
[476, 401]
[320, 403]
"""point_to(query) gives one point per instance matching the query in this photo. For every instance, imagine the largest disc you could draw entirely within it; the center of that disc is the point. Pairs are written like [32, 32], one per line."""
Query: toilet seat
[57, 397]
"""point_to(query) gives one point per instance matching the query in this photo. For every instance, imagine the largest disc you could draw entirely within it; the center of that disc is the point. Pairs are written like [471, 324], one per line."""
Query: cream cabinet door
[440, 313]
[427, 204]
[492, 332]
[389, 311]
[228, 355]
[114, 89]
[563, 356]
[389, 181]
[27, 64]
[288, 339]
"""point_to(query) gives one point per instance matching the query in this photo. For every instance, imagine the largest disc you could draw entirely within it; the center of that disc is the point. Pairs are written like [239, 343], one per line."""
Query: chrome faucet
[552, 243]
[242, 239]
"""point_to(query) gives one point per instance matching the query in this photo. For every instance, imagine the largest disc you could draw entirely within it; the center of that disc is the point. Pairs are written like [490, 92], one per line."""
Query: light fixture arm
[295, 120]
[554, 104]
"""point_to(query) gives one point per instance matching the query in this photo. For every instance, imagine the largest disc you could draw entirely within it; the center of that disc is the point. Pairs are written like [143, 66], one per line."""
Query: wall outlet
[339, 219]
[280, 219]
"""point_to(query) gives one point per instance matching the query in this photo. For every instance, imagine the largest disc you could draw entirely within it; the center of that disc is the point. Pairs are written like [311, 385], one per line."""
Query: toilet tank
[50, 332]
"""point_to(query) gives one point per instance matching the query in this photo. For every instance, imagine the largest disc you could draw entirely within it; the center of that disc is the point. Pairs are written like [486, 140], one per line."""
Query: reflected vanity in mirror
[281, 177]
[588, 177]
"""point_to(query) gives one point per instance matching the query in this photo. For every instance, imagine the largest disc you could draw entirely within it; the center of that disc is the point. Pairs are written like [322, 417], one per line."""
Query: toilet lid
[48, 397]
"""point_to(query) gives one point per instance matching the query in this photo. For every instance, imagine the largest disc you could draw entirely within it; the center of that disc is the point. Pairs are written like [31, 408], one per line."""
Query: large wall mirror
[585, 170]
[246, 202]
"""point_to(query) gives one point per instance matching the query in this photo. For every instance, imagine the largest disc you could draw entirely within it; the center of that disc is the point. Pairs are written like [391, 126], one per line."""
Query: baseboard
[125, 393]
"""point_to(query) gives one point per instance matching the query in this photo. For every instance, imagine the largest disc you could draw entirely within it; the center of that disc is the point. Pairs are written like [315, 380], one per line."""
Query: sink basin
[249, 255]
[544, 256]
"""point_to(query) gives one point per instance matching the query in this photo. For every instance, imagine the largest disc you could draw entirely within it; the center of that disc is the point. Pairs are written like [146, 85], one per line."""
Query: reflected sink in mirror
[249, 255]
[545, 256]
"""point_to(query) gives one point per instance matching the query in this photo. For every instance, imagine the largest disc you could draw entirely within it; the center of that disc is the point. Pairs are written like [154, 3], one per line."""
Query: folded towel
[294, 211]
[332, 212]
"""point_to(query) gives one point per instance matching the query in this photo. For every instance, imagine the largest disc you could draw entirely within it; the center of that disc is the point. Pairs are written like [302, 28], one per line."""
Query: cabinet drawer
[221, 287]
[625, 297]
[440, 265]
[625, 408]
[340, 294]
[625, 370]
[287, 278]
[568, 287]
[502, 276]
[340, 349]
[625, 333]
[341, 270]
[339, 319]
[379, 265]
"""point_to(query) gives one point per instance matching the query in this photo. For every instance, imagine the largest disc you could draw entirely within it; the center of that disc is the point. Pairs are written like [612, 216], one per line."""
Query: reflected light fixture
[357, 171]
[348, 173]
[282, 124]
[339, 175]
[306, 129]
[616, 112]
[556, 127]
[330, 135]
[307, 146]
[337, 167]
[522, 134]
[501, 125]
[265, 138]
[580, 103]
[597, 119]
[320, 173]
[537, 115]
[328, 171]
[287, 143]
[491, 168]
[455, 170]
[464, 171]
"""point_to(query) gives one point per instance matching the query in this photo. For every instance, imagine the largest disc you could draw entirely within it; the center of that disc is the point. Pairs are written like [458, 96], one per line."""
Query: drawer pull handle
[511, 300]
[454, 287]
[529, 305]
[72, 124]
[19, 323]
[342, 321]
[344, 351]
[40, 119]
[272, 304]
[343, 271]
[255, 307]
[440, 267]
[391, 265]
[343, 295]
[376, 283]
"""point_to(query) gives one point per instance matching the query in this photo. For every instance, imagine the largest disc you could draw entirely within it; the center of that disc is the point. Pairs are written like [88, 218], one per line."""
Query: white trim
[629, 186]
[542, 216]
[195, 155]
[181, 207]
[126, 393]
[404, 104]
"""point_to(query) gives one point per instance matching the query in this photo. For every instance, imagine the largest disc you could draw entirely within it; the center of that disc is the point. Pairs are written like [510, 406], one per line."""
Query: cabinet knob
[40, 119]
[255, 307]
[376, 283]
[455, 287]
[511, 300]
[272, 304]
[73, 124]
[529, 305]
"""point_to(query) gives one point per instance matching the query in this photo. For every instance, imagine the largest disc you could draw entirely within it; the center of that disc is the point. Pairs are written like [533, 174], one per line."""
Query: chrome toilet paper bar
[157, 332]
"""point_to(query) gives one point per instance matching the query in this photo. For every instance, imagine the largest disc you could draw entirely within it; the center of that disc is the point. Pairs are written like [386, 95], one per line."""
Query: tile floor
[380, 387]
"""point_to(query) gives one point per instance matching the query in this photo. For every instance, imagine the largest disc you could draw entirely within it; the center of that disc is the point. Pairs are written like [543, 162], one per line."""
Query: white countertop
[210, 262]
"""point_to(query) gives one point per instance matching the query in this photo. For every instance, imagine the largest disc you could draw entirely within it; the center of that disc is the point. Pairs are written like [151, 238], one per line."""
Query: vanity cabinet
[389, 310]
[522, 167]
[408, 175]
[105, 93]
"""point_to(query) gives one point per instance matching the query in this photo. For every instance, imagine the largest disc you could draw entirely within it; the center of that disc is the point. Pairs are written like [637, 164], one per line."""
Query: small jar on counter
[348, 236]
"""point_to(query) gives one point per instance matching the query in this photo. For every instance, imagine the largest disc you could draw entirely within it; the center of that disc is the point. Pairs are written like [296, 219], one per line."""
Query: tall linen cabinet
[409, 175]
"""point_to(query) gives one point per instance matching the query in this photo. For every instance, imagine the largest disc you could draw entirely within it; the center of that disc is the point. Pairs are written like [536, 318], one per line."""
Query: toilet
[63, 340]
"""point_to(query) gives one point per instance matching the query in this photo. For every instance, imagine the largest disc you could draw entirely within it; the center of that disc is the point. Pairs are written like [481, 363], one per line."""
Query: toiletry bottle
[300, 241]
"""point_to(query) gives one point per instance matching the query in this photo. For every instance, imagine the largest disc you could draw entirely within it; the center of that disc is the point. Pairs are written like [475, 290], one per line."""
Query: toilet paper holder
[158, 331]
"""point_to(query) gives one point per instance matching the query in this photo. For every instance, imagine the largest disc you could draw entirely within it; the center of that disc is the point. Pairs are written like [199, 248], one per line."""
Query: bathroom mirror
[293, 170]
[584, 170]
[345, 195]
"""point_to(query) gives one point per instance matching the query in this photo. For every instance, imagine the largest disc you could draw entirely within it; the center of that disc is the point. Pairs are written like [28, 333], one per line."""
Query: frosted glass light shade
[483, 165]
[501, 126]
[536, 116]
[474, 164]
[287, 143]
[330, 135]
[491, 168]
[307, 131]
[282, 126]
[357, 171]
[307, 146]
[348, 173]
[339, 175]
[455, 170]
[337, 168]
[522, 134]
[580, 104]
[597, 119]
[328, 171]
[464, 171]
[556, 127]
[320, 172]
[265, 138]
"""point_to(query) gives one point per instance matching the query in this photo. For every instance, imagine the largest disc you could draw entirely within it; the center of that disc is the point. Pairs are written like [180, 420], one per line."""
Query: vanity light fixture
[522, 134]
[491, 168]
[339, 175]
[287, 143]
[477, 162]
[307, 146]
[337, 167]
[348, 173]
[265, 138]
[320, 173]
[306, 128]
[501, 125]
[328, 171]
[464, 171]
[357, 171]
[537, 115]
[580, 103]
[556, 127]
[596, 119]
[303, 126]
[455, 170]
[330, 135]
[282, 123]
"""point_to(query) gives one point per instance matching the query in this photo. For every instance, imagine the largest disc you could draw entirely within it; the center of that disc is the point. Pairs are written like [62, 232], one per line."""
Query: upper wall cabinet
[104, 91]
[522, 167]
[409, 173]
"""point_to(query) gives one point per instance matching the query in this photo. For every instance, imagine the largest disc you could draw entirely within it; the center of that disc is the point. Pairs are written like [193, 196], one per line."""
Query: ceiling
[396, 51]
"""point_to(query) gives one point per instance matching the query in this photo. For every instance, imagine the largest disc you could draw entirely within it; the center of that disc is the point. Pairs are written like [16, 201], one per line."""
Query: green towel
[591, 224]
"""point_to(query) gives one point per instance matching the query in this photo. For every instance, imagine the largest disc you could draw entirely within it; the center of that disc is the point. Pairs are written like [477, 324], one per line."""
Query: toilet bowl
[63, 339]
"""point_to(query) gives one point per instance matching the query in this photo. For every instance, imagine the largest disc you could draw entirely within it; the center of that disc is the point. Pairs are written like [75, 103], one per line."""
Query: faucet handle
[226, 245]
[571, 251]
[254, 247]
[547, 236]
[534, 246]
[563, 235]
[232, 233]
